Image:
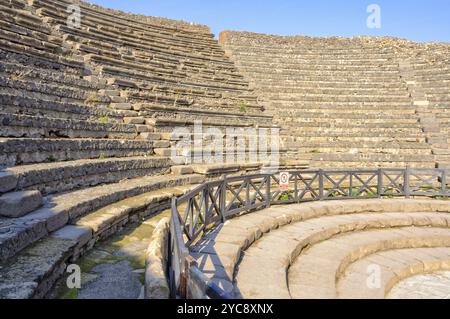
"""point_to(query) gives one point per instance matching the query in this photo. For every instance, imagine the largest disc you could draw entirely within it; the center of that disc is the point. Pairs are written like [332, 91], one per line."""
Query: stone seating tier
[288, 245]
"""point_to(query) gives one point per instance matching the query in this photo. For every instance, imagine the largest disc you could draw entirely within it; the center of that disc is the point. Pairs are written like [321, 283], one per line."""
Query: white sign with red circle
[284, 181]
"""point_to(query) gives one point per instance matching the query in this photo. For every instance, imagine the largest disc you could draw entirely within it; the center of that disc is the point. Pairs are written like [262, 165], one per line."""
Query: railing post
[406, 187]
[380, 183]
[208, 212]
[321, 190]
[247, 193]
[223, 199]
[350, 174]
[268, 192]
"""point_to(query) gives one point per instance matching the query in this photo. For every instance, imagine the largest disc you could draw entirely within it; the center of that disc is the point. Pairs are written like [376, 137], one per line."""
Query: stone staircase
[340, 102]
[429, 70]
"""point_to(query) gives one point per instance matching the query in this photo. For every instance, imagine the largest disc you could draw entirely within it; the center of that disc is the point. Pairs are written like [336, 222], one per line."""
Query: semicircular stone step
[18, 204]
[373, 277]
[316, 271]
[276, 251]
[218, 252]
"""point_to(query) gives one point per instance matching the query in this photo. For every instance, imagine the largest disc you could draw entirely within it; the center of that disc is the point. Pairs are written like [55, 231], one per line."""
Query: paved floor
[429, 286]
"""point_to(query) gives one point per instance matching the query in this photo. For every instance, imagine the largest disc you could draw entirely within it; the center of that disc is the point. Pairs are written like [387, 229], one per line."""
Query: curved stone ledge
[315, 273]
[156, 281]
[276, 251]
[220, 250]
[394, 266]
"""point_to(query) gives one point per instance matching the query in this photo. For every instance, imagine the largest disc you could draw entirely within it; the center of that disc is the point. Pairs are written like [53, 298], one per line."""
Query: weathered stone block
[121, 106]
[163, 151]
[78, 234]
[150, 136]
[7, 182]
[18, 204]
[182, 170]
[133, 120]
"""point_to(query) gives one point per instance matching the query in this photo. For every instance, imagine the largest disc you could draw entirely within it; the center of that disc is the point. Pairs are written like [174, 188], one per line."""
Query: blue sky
[413, 19]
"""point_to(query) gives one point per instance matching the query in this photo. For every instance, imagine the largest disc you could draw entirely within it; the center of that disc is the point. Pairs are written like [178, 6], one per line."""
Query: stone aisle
[115, 268]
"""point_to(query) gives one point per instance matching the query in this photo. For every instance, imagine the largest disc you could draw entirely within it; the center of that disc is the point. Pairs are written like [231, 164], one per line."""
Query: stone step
[167, 123]
[22, 17]
[274, 91]
[339, 98]
[372, 164]
[434, 83]
[144, 80]
[300, 61]
[53, 91]
[345, 105]
[108, 220]
[347, 126]
[296, 86]
[32, 39]
[366, 140]
[436, 77]
[21, 151]
[155, 109]
[69, 207]
[395, 266]
[353, 113]
[17, 102]
[94, 17]
[344, 158]
[322, 75]
[47, 57]
[313, 53]
[354, 148]
[172, 69]
[18, 204]
[303, 279]
[401, 95]
[33, 272]
[399, 135]
[126, 65]
[283, 246]
[36, 127]
[357, 120]
[106, 35]
[20, 69]
[60, 177]
[20, 5]
[219, 251]
[288, 68]
[347, 130]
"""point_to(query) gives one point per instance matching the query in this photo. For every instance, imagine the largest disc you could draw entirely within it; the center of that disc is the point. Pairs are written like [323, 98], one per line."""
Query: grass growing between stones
[66, 293]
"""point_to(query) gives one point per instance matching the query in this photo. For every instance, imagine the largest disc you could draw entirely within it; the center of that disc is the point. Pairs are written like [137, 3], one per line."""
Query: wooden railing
[210, 204]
